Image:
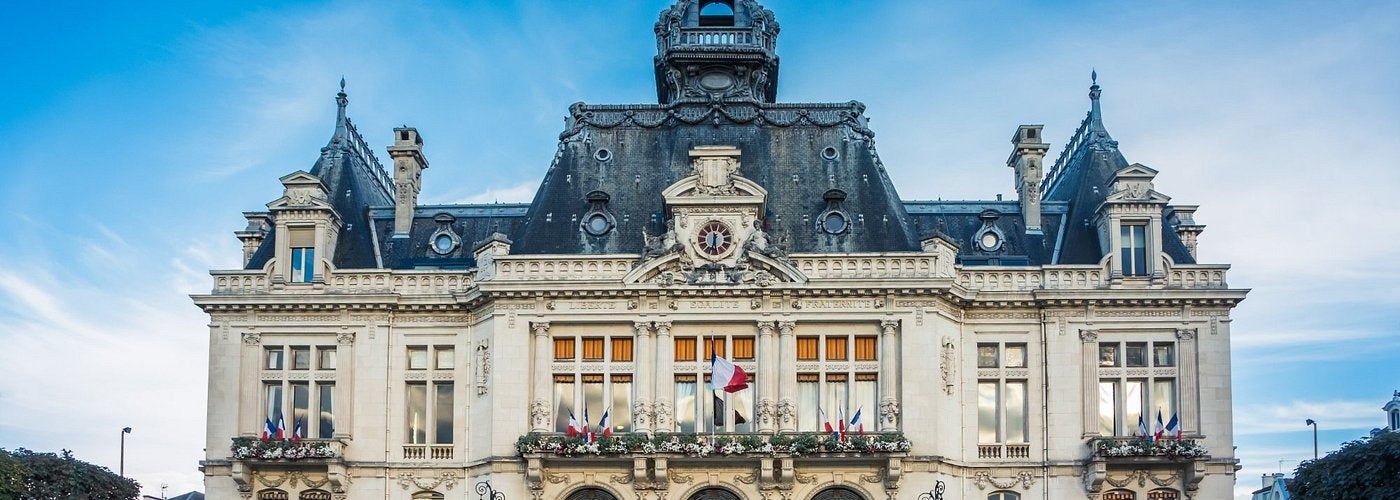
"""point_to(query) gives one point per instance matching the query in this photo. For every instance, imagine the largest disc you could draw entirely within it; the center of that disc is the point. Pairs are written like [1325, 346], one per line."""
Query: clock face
[714, 239]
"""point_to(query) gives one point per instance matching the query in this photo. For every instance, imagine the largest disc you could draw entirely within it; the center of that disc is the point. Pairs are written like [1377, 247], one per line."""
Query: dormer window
[303, 245]
[717, 13]
[1132, 251]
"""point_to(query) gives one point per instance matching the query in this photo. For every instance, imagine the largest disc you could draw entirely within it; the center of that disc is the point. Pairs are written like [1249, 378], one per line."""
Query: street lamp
[486, 492]
[121, 469]
[1313, 423]
[936, 493]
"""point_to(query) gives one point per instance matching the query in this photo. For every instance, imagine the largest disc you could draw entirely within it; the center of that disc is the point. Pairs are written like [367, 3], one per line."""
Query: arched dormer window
[717, 13]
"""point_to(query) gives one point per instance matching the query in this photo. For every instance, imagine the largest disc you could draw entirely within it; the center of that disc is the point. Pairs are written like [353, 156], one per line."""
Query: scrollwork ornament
[766, 411]
[749, 478]
[1186, 334]
[1089, 336]
[889, 412]
[539, 413]
[641, 413]
[252, 338]
[947, 365]
[661, 414]
[787, 413]
[345, 338]
[805, 478]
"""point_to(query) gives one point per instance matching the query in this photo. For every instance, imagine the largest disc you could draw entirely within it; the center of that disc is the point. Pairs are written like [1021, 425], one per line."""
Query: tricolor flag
[827, 424]
[605, 424]
[269, 430]
[1157, 433]
[281, 428]
[725, 376]
[856, 423]
[841, 424]
[572, 429]
[587, 432]
[297, 431]
[1142, 427]
[1174, 427]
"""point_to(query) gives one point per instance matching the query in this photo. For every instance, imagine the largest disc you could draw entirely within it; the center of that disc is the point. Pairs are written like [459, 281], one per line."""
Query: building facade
[970, 349]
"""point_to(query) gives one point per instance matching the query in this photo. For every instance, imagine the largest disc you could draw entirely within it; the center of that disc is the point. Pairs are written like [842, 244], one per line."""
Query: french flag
[856, 423]
[297, 431]
[281, 428]
[1157, 433]
[726, 376]
[605, 424]
[572, 430]
[587, 432]
[1174, 427]
[841, 424]
[1142, 427]
[269, 430]
[827, 423]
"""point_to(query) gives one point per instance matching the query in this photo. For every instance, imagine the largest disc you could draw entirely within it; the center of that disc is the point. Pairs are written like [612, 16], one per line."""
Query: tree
[1365, 468]
[47, 476]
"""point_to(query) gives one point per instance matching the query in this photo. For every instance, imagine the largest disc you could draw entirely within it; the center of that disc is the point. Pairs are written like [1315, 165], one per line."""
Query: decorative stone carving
[889, 326]
[345, 338]
[660, 245]
[446, 480]
[1185, 334]
[1089, 336]
[982, 478]
[947, 365]
[889, 412]
[787, 413]
[540, 414]
[760, 243]
[661, 414]
[767, 413]
[252, 338]
[642, 414]
[483, 367]
[541, 328]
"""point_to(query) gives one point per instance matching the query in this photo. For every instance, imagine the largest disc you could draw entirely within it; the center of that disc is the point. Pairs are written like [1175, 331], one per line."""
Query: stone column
[1089, 373]
[767, 378]
[663, 412]
[643, 377]
[542, 408]
[889, 375]
[1188, 392]
[344, 393]
[787, 377]
[251, 407]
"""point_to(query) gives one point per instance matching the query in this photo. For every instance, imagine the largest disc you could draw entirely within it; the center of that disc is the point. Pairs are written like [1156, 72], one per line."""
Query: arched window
[314, 495]
[272, 494]
[837, 494]
[714, 494]
[1119, 495]
[591, 494]
[427, 495]
[717, 13]
[1163, 494]
[1004, 495]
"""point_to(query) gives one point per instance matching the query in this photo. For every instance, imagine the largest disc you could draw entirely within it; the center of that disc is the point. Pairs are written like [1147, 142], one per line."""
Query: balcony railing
[1007, 451]
[1144, 447]
[702, 445]
[247, 448]
[741, 37]
[427, 452]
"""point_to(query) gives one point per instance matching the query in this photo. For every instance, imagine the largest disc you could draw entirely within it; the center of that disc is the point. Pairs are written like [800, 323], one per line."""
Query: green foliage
[1365, 468]
[47, 476]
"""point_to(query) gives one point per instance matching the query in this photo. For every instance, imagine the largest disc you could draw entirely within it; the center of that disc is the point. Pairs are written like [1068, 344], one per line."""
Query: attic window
[717, 13]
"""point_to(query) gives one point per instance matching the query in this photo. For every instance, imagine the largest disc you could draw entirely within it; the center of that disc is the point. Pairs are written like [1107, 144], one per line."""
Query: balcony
[1004, 451]
[430, 452]
[704, 445]
[720, 36]
[1142, 447]
[1165, 462]
[317, 450]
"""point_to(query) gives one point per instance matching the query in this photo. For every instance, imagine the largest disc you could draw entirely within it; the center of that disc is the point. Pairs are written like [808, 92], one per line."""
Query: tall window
[1137, 382]
[306, 406]
[1001, 400]
[840, 387]
[1133, 249]
[303, 245]
[428, 411]
[598, 380]
[699, 406]
[1004, 495]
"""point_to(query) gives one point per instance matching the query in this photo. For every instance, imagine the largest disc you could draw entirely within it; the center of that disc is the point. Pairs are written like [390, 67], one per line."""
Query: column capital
[889, 326]
[1088, 336]
[541, 328]
[1185, 334]
[765, 328]
[642, 328]
[785, 327]
[663, 328]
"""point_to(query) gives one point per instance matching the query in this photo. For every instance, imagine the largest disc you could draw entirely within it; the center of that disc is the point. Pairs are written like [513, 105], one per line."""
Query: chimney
[409, 164]
[252, 236]
[1026, 159]
[1180, 217]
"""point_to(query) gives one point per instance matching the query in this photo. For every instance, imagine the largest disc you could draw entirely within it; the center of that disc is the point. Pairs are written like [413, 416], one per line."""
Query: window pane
[621, 415]
[807, 348]
[714, 346]
[1132, 407]
[327, 355]
[986, 355]
[1163, 354]
[1016, 412]
[987, 412]
[274, 402]
[716, 413]
[1108, 354]
[834, 398]
[418, 358]
[1015, 356]
[622, 349]
[274, 358]
[743, 348]
[301, 403]
[593, 349]
[416, 415]
[1108, 405]
[1136, 354]
[442, 413]
[564, 348]
[593, 404]
[1125, 249]
[807, 400]
[563, 401]
[836, 348]
[303, 264]
[741, 411]
[445, 358]
[1164, 398]
[301, 358]
[326, 406]
[685, 403]
[865, 348]
[863, 398]
[1139, 250]
[685, 348]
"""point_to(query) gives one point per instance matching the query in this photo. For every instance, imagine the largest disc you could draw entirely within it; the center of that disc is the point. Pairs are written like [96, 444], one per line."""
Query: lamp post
[1313, 423]
[936, 493]
[121, 468]
[486, 492]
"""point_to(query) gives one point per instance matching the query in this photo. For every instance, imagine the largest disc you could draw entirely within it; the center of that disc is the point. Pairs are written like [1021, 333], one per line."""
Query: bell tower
[716, 51]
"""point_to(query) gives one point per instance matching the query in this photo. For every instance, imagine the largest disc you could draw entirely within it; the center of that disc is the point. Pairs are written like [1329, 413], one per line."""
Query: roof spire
[341, 100]
[1095, 114]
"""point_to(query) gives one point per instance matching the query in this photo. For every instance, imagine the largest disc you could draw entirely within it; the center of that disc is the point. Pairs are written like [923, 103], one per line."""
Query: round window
[597, 224]
[834, 223]
[716, 80]
[443, 244]
[602, 154]
[829, 153]
[990, 240]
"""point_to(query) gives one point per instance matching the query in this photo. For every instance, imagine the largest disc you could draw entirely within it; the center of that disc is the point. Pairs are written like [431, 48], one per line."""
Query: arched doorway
[714, 494]
[837, 494]
[591, 494]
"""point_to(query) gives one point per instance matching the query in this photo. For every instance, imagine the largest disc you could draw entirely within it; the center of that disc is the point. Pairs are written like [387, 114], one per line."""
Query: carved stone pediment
[677, 269]
[301, 190]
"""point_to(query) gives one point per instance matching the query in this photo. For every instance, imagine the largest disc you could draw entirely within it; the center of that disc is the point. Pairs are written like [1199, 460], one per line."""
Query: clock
[714, 239]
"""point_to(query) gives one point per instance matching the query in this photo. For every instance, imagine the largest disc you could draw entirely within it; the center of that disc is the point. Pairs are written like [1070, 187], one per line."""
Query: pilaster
[787, 377]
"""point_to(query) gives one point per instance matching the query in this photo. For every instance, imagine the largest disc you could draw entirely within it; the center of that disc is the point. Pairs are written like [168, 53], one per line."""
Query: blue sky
[136, 134]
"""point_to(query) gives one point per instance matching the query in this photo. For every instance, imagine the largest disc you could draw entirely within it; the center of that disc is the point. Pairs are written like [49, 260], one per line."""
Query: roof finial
[341, 100]
[342, 83]
[1093, 77]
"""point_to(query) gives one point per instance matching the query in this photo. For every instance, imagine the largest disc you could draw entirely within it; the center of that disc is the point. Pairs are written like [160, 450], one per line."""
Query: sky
[136, 133]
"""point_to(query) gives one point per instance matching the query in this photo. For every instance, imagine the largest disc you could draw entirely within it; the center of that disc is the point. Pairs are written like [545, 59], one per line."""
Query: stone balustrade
[1197, 276]
[561, 268]
[405, 282]
[863, 267]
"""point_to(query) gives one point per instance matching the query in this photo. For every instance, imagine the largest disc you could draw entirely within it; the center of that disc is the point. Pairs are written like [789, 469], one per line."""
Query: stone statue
[760, 243]
[660, 245]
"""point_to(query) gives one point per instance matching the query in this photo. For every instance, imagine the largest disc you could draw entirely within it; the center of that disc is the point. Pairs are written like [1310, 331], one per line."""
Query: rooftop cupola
[716, 50]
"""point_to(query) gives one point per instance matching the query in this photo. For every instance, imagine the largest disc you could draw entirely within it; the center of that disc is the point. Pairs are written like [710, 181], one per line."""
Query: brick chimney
[409, 164]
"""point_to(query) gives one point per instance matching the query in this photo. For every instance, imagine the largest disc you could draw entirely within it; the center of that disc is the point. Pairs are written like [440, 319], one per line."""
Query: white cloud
[1261, 418]
[519, 193]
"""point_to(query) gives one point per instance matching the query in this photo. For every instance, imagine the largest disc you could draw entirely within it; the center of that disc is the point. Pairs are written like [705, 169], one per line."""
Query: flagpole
[713, 410]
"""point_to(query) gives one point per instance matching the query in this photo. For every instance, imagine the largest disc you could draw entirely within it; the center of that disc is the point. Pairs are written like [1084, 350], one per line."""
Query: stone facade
[420, 352]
